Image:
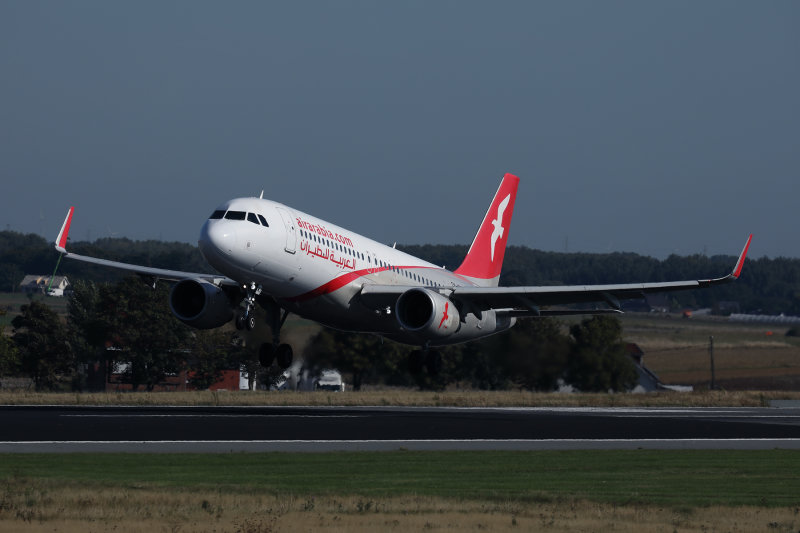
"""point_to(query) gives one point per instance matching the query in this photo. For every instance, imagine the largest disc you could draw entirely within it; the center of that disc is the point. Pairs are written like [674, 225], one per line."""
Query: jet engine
[427, 313]
[200, 304]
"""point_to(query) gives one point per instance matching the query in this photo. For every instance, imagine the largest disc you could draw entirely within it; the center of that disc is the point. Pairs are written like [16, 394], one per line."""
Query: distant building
[110, 376]
[34, 283]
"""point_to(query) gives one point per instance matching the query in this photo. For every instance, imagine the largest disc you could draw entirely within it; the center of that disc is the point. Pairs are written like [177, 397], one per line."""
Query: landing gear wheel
[433, 362]
[266, 354]
[240, 322]
[250, 322]
[415, 362]
[284, 356]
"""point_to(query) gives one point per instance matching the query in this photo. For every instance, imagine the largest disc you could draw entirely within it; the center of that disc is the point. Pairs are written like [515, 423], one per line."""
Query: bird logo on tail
[498, 223]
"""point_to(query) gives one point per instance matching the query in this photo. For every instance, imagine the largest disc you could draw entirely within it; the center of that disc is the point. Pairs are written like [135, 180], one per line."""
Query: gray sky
[649, 127]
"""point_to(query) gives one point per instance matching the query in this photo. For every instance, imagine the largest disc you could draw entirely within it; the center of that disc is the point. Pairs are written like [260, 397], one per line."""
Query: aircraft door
[291, 230]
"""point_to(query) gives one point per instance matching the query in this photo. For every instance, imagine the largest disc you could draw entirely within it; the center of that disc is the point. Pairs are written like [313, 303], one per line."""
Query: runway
[28, 429]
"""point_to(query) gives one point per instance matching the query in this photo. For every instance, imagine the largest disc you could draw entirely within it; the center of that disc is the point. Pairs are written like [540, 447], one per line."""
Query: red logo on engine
[445, 316]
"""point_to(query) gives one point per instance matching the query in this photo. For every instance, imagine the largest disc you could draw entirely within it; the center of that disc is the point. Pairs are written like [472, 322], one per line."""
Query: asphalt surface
[317, 429]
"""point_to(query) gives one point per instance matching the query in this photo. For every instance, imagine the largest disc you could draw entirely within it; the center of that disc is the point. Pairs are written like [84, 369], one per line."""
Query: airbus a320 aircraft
[288, 261]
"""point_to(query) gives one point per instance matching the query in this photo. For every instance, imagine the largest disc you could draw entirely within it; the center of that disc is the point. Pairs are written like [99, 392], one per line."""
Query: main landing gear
[282, 353]
[426, 358]
[268, 352]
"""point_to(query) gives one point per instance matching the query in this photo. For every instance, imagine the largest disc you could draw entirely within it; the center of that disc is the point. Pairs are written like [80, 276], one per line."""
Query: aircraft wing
[529, 301]
[154, 273]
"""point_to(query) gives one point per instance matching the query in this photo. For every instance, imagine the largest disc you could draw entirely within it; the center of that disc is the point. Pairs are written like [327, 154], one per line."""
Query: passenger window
[235, 215]
[263, 220]
[251, 217]
[217, 215]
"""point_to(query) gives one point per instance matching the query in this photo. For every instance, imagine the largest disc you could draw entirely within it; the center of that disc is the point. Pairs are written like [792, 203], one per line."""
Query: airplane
[288, 261]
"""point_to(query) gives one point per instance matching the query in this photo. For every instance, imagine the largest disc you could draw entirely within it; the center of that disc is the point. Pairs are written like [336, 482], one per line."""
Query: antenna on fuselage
[261, 196]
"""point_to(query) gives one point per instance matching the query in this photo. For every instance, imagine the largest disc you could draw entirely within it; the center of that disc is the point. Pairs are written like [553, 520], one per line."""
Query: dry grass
[693, 365]
[40, 507]
[746, 356]
[407, 398]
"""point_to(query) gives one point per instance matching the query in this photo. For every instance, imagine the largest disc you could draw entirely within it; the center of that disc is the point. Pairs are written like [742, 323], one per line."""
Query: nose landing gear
[246, 319]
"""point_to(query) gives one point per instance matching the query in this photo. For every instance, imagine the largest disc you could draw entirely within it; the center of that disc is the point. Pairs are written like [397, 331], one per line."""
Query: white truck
[329, 380]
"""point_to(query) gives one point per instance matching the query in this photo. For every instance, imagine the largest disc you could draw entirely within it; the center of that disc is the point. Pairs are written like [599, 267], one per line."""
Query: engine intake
[427, 312]
[200, 304]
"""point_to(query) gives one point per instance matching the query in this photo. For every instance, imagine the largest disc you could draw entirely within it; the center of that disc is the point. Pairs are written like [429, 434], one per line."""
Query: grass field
[398, 491]
[457, 491]
[746, 356]
[12, 302]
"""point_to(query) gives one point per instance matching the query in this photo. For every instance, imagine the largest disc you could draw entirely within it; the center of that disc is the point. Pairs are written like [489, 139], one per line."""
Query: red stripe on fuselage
[337, 283]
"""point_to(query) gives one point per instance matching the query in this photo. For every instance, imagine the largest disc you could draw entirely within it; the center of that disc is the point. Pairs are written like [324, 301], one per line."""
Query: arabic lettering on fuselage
[326, 253]
[325, 232]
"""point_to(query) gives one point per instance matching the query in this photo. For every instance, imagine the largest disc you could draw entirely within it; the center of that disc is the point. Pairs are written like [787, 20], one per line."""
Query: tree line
[113, 320]
[124, 328]
[127, 328]
[769, 286]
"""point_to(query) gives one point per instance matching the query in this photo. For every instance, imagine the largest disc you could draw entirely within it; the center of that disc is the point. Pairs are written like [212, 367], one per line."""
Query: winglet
[740, 263]
[61, 240]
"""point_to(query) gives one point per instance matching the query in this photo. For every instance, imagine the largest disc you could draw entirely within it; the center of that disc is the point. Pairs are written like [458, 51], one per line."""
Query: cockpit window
[263, 220]
[235, 215]
[252, 218]
[217, 214]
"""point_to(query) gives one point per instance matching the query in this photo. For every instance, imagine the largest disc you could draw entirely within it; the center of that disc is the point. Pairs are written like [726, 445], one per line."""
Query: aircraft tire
[250, 322]
[284, 356]
[416, 359]
[266, 354]
[239, 322]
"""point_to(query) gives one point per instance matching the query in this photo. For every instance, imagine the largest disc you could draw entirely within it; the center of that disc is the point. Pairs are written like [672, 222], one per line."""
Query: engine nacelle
[427, 313]
[200, 304]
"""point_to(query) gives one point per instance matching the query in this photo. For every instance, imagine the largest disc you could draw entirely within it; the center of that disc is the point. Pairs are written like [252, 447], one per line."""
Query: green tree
[137, 321]
[9, 356]
[87, 328]
[481, 363]
[597, 361]
[365, 357]
[535, 353]
[212, 351]
[41, 338]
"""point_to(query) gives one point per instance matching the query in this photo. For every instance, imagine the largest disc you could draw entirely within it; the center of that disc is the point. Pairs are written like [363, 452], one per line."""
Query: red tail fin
[485, 257]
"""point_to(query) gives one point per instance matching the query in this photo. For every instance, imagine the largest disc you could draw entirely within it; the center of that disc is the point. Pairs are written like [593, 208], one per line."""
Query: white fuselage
[316, 269]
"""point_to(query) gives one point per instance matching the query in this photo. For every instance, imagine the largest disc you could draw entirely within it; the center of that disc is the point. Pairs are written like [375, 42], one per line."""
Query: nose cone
[217, 237]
